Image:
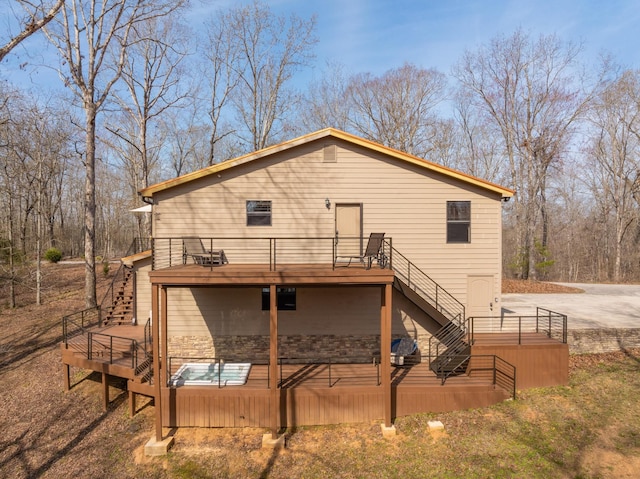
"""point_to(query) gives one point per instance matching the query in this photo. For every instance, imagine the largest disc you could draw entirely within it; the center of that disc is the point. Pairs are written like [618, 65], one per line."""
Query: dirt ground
[55, 434]
[533, 287]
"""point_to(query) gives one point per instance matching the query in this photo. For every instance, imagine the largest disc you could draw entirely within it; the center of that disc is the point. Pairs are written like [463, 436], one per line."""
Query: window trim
[263, 214]
[454, 224]
[282, 293]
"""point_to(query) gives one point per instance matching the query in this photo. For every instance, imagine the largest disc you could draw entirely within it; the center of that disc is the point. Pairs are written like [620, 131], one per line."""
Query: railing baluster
[494, 370]
[519, 329]
[275, 252]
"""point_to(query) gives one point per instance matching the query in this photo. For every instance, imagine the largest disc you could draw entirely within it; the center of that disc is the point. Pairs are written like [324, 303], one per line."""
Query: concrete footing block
[435, 426]
[388, 431]
[268, 442]
[158, 448]
[436, 430]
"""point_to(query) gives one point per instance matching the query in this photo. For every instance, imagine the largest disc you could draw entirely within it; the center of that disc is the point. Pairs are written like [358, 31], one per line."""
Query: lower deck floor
[323, 394]
[317, 394]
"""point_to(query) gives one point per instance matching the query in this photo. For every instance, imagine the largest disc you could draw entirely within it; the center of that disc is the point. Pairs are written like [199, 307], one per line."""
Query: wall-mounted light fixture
[327, 203]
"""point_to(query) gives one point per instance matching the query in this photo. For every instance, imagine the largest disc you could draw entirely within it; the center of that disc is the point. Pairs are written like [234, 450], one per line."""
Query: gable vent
[330, 154]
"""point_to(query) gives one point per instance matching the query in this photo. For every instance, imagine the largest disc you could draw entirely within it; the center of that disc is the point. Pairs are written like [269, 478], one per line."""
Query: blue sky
[377, 35]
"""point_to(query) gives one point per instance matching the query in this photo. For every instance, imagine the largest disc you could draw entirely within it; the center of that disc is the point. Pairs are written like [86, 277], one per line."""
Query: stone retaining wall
[347, 348]
[603, 340]
[301, 347]
[581, 341]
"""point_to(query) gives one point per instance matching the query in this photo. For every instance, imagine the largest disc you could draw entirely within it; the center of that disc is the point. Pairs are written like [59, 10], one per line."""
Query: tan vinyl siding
[143, 291]
[405, 201]
[337, 311]
[236, 311]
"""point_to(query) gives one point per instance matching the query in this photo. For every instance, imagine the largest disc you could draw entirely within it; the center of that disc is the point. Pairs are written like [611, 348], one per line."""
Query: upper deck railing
[274, 252]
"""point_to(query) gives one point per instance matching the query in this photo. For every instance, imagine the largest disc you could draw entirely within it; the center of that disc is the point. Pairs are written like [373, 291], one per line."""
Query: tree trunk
[12, 265]
[90, 206]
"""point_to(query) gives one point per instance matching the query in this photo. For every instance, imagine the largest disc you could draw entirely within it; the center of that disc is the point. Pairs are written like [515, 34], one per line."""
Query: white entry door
[349, 229]
[480, 296]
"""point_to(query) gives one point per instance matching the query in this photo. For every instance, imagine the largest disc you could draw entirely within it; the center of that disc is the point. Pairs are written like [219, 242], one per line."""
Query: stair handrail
[137, 245]
[108, 298]
[427, 287]
[444, 375]
[448, 335]
[504, 372]
[148, 338]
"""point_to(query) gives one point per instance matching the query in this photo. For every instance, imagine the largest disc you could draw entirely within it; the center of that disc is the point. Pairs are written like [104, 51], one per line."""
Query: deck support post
[273, 362]
[385, 351]
[155, 320]
[66, 377]
[105, 391]
[132, 403]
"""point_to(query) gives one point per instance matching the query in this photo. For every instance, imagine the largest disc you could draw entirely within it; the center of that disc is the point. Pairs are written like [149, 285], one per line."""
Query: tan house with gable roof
[260, 262]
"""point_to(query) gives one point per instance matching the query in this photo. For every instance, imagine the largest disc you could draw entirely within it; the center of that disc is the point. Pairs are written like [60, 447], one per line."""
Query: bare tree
[326, 103]
[222, 52]
[34, 138]
[92, 38]
[36, 16]
[397, 109]
[268, 51]
[9, 194]
[41, 141]
[478, 153]
[151, 77]
[615, 160]
[529, 92]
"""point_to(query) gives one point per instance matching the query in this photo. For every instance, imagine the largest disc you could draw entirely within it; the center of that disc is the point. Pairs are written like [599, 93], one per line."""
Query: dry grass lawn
[589, 429]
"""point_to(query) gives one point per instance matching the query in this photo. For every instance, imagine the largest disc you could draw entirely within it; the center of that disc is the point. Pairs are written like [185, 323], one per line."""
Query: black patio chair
[371, 252]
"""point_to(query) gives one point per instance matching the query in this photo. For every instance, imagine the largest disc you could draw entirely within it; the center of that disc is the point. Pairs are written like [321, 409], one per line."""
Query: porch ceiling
[259, 274]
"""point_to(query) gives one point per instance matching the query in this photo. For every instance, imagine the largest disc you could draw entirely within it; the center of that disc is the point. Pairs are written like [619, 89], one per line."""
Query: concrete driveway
[600, 306]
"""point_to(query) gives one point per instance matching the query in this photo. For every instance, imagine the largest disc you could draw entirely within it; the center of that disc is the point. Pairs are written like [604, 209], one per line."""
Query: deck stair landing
[122, 351]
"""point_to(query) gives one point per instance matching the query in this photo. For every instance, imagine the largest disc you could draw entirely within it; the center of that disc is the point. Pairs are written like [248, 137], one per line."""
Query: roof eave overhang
[327, 132]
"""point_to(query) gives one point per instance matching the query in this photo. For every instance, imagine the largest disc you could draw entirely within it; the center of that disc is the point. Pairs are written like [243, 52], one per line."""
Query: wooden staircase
[120, 311]
[142, 382]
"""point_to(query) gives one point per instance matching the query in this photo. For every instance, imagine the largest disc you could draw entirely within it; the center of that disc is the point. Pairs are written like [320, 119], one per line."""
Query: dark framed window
[258, 213]
[286, 299]
[458, 221]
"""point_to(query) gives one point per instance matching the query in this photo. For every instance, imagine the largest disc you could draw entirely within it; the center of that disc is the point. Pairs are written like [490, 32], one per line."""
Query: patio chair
[371, 252]
[193, 247]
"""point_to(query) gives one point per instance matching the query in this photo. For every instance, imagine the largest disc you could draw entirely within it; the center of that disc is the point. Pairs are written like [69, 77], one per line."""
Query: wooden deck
[539, 360]
[261, 274]
[114, 359]
[323, 394]
[315, 394]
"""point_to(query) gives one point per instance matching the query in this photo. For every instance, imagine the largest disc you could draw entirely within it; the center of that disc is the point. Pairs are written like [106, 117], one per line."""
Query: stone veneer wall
[345, 348]
[604, 340]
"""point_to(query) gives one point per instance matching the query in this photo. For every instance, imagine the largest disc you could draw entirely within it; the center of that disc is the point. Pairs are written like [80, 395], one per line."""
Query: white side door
[480, 295]
[349, 229]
